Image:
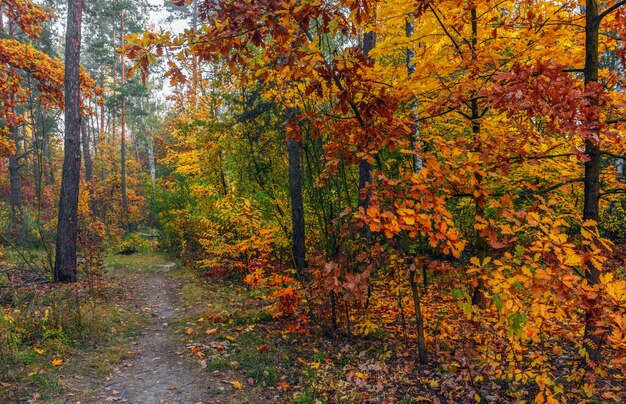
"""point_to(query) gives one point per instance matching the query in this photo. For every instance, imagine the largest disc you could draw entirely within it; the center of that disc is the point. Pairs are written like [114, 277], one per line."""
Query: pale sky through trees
[157, 18]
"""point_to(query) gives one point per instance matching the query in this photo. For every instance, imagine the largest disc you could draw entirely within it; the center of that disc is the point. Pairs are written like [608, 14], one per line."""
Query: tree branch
[611, 9]
[613, 192]
[616, 156]
[549, 156]
[445, 30]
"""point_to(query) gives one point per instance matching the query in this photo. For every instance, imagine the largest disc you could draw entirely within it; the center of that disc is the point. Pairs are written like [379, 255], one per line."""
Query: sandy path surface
[158, 373]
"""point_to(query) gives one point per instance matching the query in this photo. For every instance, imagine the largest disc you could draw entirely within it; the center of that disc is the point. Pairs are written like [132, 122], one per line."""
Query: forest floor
[121, 335]
[156, 367]
[151, 331]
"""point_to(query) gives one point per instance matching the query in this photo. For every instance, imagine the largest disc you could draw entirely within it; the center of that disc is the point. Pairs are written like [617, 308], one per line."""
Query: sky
[157, 18]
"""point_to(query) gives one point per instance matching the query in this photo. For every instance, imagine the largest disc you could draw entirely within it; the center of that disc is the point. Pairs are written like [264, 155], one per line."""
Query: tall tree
[297, 205]
[593, 165]
[67, 230]
[123, 127]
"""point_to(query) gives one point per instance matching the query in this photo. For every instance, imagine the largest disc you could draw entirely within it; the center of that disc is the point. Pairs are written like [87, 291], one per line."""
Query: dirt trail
[158, 373]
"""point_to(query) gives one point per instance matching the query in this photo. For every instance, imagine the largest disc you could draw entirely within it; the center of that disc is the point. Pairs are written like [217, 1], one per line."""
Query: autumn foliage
[460, 167]
[480, 131]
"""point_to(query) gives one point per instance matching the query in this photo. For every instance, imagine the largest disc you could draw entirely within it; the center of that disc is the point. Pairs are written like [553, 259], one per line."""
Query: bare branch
[611, 9]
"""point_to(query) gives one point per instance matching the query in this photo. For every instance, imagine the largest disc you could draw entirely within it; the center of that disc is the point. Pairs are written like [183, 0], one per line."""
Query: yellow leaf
[57, 362]
[361, 376]
[475, 261]
[572, 260]
[533, 219]
[315, 365]
[189, 331]
[236, 384]
[232, 339]
[39, 351]
[606, 278]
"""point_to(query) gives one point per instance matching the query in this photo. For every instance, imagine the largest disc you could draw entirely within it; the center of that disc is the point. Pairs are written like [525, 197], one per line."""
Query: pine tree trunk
[123, 140]
[86, 153]
[48, 168]
[113, 134]
[67, 231]
[15, 185]
[15, 198]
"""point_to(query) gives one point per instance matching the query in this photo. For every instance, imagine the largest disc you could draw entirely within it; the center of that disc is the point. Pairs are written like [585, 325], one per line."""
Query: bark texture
[123, 125]
[67, 231]
[86, 153]
[297, 204]
[591, 209]
[365, 167]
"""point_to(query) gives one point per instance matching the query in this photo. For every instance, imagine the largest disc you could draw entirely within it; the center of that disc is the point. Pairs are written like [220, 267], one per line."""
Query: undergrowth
[51, 330]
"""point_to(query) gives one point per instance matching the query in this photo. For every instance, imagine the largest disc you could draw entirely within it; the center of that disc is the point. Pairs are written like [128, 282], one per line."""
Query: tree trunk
[151, 161]
[102, 128]
[37, 155]
[297, 204]
[47, 154]
[111, 138]
[421, 345]
[365, 167]
[15, 198]
[86, 153]
[15, 184]
[478, 296]
[123, 125]
[418, 163]
[67, 231]
[591, 206]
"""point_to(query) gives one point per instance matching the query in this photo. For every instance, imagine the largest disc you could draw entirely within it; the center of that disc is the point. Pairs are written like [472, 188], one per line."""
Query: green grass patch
[191, 294]
[259, 365]
[140, 261]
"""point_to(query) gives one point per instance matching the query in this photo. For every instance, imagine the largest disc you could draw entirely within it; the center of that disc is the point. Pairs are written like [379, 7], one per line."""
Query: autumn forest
[311, 201]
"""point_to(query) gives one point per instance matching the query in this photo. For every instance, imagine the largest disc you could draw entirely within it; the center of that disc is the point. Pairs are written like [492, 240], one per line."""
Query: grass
[191, 294]
[38, 335]
[144, 261]
[236, 317]
[50, 332]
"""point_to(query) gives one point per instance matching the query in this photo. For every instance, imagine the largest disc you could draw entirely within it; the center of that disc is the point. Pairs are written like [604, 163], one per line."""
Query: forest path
[158, 372]
[159, 368]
